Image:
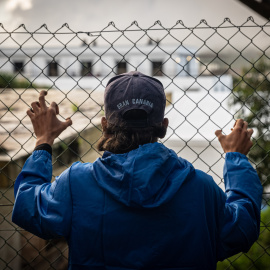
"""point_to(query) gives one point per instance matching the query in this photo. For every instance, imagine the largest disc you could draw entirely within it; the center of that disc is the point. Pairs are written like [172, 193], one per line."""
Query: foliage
[74, 107]
[258, 256]
[12, 81]
[251, 95]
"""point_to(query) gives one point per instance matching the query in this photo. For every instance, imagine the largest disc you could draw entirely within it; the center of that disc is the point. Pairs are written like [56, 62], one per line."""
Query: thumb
[219, 134]
[68, 122]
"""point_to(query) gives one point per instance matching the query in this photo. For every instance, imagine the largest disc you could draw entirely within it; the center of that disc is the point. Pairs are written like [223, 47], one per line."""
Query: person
[140, 206]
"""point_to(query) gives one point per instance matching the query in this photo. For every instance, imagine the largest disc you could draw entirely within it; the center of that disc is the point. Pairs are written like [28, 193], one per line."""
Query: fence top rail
[179, 25]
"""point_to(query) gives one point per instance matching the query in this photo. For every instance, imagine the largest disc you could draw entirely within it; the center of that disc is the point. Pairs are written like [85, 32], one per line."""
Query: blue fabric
[146, 209]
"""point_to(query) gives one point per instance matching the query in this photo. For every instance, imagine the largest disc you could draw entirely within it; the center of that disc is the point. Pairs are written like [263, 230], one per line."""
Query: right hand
[238, 140]
[44, 119]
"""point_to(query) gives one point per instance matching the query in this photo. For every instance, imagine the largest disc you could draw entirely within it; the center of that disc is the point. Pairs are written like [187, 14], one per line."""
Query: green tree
[8, 80]
[251, 98]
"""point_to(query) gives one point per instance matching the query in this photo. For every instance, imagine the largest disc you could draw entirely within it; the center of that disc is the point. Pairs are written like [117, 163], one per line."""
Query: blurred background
[211, 56]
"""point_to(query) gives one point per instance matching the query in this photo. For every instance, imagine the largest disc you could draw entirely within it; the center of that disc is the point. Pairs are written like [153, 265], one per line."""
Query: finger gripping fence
[212, 75]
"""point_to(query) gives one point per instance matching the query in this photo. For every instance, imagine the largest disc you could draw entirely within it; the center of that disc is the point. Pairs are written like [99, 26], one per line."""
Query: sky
[95, 15]
[90, 15]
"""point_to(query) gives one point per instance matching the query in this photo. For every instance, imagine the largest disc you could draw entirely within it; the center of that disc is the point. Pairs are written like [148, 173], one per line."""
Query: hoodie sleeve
[239, 222]
[41, 207]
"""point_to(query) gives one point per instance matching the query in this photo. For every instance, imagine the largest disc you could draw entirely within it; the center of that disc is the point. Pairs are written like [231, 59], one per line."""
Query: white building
[198, 105]
[79, 64]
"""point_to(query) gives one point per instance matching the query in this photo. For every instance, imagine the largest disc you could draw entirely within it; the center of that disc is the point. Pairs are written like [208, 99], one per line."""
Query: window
[53, 69]
[18, 66]
[121, 68]
[86, 69]
[157, 68]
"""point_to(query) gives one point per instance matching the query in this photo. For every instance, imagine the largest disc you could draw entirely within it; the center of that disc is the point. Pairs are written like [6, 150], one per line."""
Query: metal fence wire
[211, 75]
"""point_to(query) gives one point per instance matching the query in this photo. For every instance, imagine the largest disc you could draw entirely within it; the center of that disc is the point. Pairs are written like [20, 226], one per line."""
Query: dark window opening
[121, 68]
[18, 66]
[53, 69]
[86, 69]
[157, 68]
[150, 41]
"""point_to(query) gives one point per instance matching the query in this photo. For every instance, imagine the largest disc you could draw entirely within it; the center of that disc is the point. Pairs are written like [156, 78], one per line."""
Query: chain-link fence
[211, 75]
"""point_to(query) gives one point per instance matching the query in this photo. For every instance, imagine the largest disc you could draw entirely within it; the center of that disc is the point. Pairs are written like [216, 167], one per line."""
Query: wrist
[235, 151]
[235, 154]
[44, 146]
[42, 140]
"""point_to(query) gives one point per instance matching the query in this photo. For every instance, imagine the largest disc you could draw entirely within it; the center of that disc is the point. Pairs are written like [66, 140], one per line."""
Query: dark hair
[122, 139]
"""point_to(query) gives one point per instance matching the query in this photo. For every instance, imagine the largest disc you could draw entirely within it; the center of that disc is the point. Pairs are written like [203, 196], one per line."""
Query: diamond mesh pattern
[212, 76]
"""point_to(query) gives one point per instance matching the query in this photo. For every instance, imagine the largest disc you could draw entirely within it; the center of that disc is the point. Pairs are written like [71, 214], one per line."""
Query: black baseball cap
[134, 91]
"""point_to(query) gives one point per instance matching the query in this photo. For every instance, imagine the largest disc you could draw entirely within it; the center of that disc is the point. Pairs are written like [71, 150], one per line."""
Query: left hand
[239, 140]
[46, 125]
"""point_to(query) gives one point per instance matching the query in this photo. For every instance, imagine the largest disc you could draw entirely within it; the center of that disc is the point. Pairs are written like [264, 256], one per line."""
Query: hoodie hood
[145, 177]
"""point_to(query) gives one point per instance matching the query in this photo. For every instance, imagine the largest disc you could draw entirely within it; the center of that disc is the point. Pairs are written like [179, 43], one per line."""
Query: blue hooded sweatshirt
[146, 209]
